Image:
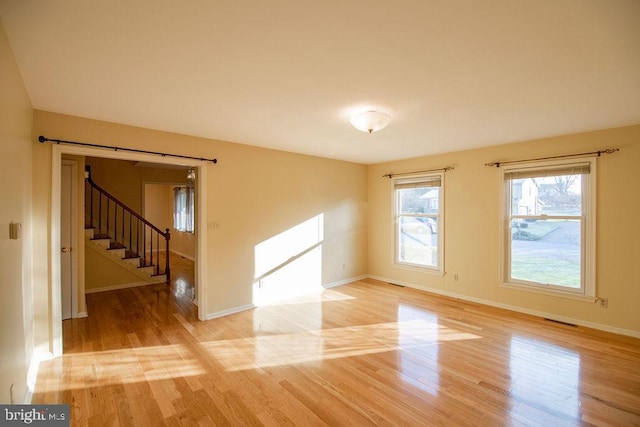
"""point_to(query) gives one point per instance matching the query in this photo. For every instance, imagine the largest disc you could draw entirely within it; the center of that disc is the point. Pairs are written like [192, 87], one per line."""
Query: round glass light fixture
[370, 121]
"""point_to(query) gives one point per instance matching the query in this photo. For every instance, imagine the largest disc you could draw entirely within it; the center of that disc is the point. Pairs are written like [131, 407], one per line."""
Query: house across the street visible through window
[549, 234]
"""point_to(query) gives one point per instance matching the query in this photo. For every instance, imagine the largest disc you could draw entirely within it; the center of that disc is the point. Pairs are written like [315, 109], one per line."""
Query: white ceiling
[287, 74]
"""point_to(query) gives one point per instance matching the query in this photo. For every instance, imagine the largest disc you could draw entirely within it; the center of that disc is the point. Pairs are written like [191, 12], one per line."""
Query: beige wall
[252, 195]
[125, 180]
[16, 305]
[157, 205]
[256, 194]
[103, 272]
[472, 227]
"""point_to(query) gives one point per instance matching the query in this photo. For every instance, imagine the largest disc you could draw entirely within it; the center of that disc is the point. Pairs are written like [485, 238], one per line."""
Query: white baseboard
[250, 306]
[542, 314]
[344, 281]
[189, 257]
[32, 374]
[229, 311]
[173, 252]
[82, 315]
[114, 287]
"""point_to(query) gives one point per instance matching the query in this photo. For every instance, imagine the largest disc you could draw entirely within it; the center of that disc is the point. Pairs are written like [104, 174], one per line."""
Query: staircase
[128, 260]
[124, 236]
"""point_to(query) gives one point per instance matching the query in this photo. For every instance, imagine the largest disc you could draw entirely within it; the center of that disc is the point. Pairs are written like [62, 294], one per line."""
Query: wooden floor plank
[366, 353]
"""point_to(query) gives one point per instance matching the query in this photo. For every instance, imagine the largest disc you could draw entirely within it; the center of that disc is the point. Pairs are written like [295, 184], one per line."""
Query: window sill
[184, 232]
[551, 292]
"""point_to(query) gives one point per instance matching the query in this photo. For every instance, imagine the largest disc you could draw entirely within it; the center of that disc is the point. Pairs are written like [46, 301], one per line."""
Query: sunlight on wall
[545, 375]
[290, 263]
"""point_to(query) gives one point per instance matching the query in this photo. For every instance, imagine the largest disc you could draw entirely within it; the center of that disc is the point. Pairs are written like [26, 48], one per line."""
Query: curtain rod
[391, 175]
[43, 139]
[598, 153]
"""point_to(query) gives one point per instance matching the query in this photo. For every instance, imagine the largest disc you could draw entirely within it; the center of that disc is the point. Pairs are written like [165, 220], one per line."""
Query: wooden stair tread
[130, 255]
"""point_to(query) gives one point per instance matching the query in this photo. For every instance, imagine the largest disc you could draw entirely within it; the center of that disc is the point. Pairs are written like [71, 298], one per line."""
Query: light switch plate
[14, 230]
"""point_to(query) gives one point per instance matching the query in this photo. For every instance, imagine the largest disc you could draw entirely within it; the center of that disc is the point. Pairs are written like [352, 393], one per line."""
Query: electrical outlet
[604, 302]
[456, 277]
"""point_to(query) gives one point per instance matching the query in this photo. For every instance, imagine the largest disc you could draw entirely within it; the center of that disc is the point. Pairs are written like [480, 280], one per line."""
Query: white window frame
[587, 290]
[439, 268]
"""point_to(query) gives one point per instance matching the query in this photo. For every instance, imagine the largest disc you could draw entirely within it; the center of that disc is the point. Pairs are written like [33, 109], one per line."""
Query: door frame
[201, 270]
[73, 196]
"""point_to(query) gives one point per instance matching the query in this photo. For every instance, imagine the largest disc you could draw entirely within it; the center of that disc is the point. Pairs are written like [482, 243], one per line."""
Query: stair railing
[125, 228]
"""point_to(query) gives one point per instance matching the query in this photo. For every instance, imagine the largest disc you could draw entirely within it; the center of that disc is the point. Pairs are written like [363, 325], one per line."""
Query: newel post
[167, 270]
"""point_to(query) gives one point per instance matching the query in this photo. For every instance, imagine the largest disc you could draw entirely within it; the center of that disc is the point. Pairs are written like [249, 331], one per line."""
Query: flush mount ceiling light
[370, 121]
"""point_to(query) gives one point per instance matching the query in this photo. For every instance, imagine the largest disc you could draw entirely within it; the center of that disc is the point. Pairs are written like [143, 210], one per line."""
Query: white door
[66, 262]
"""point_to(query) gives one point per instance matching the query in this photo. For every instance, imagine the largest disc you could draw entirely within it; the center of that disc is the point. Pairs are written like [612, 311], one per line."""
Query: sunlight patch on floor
[314, 296]
[124, 366]
[543, 376]
[325, 344]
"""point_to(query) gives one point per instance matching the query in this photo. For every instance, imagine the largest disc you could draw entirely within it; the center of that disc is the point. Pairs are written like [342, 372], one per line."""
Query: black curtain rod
[133, 150]
[391, 175]
[598, 153]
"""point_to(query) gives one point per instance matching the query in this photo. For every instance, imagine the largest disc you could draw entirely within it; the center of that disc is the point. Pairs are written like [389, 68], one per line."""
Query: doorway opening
[200, 235]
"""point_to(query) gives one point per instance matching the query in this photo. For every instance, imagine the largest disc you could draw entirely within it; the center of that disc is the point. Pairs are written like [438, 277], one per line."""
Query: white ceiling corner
[286, 75]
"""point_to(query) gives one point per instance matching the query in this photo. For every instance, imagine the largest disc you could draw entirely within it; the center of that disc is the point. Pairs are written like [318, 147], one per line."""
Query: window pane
[183, 209]
[546, 251]
[551, 195]
[418, 200]
[418, 241]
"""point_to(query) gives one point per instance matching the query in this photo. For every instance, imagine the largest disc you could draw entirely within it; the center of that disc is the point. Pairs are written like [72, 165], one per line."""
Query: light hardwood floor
[367, 353]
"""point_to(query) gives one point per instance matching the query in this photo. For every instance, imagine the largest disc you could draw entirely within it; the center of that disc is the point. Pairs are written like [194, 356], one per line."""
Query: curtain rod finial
[42, 138]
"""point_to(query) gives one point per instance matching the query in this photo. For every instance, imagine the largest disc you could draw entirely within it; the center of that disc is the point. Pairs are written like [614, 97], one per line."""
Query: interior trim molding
[32, 374]
[122, 286]
[227, 312]
[345, 281]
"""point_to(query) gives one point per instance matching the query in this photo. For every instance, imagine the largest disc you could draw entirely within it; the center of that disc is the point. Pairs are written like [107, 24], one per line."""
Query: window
[418, 224]
[549, 227]
[183, 209]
